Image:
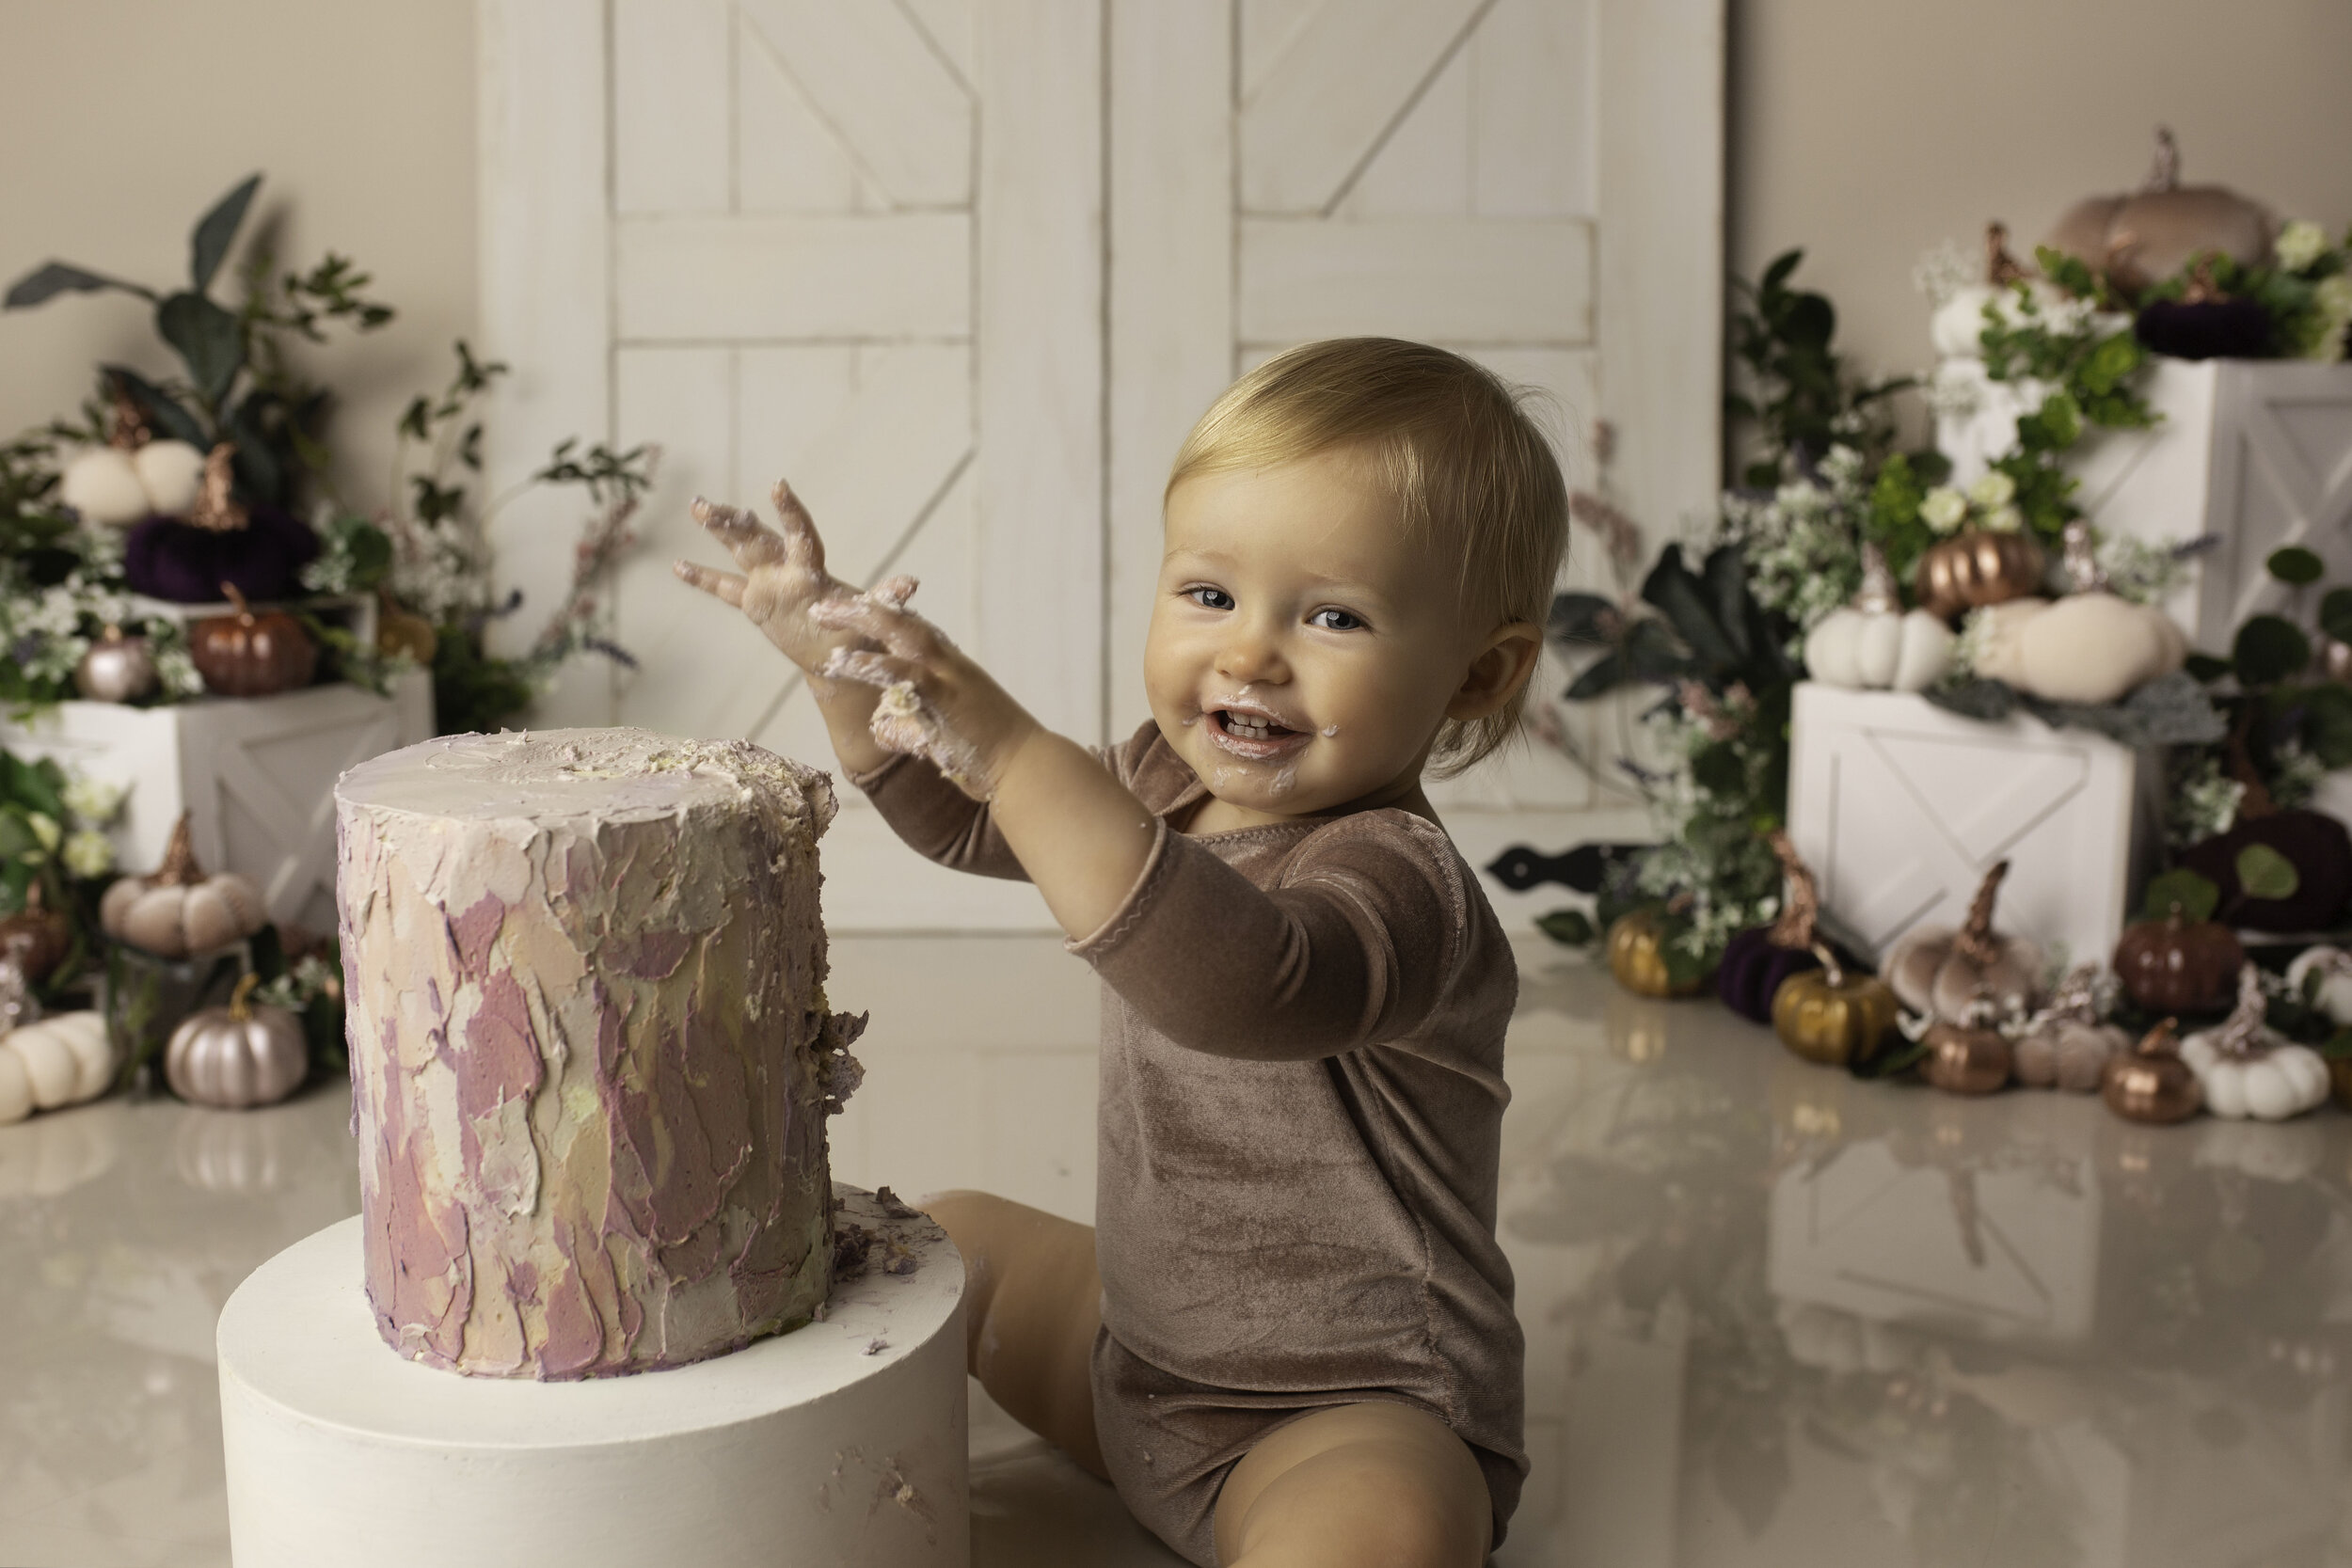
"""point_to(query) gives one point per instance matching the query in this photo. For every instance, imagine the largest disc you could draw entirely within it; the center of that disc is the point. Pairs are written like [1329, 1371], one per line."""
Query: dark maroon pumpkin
[2178, 965]
[185, 564]
[1753, 968]
[250, 653]
[2206, 329]
[2315, 844]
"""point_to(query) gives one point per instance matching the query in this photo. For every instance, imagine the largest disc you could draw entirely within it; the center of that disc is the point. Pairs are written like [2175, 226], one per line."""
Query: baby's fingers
[903, 632]
[722, 585]
[801, 546]
[749, 540]
[867, 668]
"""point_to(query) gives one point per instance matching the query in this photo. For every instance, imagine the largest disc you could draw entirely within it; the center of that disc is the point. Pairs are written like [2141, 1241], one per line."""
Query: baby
[1288, 1339]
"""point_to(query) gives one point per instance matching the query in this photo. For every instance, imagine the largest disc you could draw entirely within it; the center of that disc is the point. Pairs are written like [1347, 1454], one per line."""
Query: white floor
[1774, 1316]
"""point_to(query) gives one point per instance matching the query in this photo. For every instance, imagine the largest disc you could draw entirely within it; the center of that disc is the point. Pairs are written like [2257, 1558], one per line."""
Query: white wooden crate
[256, 774]
[2257, 452]
[1900, 808]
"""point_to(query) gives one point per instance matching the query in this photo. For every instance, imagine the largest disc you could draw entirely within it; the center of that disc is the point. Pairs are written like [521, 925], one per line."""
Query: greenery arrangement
[425, 550]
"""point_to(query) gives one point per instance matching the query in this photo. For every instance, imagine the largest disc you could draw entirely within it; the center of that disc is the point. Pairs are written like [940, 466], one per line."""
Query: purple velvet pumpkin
[171, 560]
[1753, 968]
[2207, 329]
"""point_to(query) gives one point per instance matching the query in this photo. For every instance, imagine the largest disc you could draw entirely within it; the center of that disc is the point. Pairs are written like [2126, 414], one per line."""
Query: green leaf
[207, 339]
[52, 278]
[2268, 649]
[2323, 715]
[1684, 598]
[2294, 565]
[1719, 769]
[1597, 679]
[1588, 620]
[216, 232]
[2335, 613]
[2204, 667]
[2265, 873]
[2196, 896]
[2338, 1045]
[1782, 265]
[163, 413]
[1569, 928]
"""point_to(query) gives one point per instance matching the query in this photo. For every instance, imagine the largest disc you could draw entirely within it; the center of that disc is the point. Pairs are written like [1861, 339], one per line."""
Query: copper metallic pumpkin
[2151, 234]
[1976, 567]
[1833, 1018]
[250, 654]
[398, 631]
[2151, 1083]
[2176, 965]
[117, 669]
[36, 938]
[1637, 957]
[1966, 1058]
[239, 1055]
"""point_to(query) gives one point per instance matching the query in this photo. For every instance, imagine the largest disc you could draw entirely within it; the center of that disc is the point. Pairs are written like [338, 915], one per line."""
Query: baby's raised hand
[935, 701]
[783, 576]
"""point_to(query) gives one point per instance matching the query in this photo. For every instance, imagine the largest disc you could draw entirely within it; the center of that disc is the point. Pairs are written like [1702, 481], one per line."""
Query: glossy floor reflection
[1774, 1316]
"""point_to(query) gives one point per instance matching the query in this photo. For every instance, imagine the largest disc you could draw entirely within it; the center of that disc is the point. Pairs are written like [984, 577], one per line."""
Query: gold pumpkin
[1967, 1058]
[1978, 567]
[1830, 1017]
[397, 631]
[1637, 958]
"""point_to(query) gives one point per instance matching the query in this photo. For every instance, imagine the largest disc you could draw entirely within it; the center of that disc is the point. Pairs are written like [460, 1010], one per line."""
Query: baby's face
[1303, 649]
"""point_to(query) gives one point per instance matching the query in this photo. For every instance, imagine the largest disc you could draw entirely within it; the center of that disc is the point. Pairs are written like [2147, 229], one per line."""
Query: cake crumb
[894, 1206]
[875, 1347]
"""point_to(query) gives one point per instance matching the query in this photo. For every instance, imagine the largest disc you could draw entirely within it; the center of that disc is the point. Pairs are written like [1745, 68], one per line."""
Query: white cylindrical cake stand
[841, 1442]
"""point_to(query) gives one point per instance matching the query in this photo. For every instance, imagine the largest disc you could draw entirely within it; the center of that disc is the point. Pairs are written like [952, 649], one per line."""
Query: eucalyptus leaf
[216, 232]
[1588, 619]
[2338, 1045]
[2265, 873]
[2196, 896]
[208, 340]
[2294, 565]
[1569, 928]
[1989, 701]
[2268, 649]
[2205, 667]
[52, 278]
[2323, 714]
[2335, 613]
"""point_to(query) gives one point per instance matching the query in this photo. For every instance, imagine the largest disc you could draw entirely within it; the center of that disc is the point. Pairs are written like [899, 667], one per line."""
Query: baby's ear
[1497, 671]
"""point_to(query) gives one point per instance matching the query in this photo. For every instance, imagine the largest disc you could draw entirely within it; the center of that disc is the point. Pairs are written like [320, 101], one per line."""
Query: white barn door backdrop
[967, 270]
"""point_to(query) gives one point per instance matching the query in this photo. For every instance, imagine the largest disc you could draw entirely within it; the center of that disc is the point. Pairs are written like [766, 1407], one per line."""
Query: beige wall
[1867, 130]
[121, 120]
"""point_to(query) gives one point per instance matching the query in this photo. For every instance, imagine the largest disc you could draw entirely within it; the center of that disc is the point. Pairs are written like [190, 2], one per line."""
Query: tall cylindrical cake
[591, 1057]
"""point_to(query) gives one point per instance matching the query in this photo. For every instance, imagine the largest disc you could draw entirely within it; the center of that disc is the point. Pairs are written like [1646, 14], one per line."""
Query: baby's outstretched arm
[887, 681]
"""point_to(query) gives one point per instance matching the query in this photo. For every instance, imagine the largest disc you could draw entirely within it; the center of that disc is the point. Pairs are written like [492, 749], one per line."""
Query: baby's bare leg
[1355, 1483]
[1031, 1303]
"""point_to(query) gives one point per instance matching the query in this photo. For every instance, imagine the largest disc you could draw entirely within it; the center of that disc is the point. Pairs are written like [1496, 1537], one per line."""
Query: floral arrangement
[165, 490]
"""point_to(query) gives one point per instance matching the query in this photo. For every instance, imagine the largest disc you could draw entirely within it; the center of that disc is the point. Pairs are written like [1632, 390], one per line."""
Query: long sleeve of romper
[1352, 946]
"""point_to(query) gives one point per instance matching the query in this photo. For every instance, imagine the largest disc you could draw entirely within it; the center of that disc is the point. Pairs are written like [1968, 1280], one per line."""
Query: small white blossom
[2299, 244]
[1944, 509]
[93, 801]
[45, 829]
[2333, 297]
[1996, 489]
[88, 853]
[1944, 272]
[2004, 519]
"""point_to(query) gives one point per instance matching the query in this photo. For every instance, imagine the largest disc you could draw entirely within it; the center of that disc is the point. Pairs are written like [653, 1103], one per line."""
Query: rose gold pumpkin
[1975, 567]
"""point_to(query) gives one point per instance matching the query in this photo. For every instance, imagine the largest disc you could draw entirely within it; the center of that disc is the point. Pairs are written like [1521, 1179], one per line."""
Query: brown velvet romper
[1299, 1125]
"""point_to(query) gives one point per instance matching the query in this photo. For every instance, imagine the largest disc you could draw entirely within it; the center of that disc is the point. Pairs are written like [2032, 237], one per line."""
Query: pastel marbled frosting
[591, 1058]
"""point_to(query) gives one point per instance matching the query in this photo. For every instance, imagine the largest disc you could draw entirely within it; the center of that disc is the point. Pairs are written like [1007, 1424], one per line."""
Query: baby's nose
[1246, 655]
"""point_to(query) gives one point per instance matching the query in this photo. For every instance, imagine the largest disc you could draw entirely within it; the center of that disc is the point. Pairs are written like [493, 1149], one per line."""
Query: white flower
[1996, 489]
[2333, 295]
[44, 829]
[1944, 272]
[2004, 520]
[92, 802]
[88, 853]
[2301, 244]
[1943, 509]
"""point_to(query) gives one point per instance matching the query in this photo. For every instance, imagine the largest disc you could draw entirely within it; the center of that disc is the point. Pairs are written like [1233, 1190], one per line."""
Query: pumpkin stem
[1801, 909]
[2241, 1033]
[1879, 595]
[2001, 269]
[130, 431]
[179, 868]
[1833, 976]
[2163, 1040]
[217, 509]
[1976, 942]
[235, 596]
[2082, 560]
[240, 1000]
[2256, 800]
[2164, 168]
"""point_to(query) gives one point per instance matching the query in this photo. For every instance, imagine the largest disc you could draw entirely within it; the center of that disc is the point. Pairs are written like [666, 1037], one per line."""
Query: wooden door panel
[733, 277]
[786, 159]
[901, 113]
[1457, 280]
[672, 127]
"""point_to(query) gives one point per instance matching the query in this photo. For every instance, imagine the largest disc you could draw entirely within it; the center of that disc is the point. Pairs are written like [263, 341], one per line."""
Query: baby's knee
[1354, 1483]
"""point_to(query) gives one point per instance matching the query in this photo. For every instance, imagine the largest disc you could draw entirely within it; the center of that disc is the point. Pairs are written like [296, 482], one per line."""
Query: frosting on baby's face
[1304, 646]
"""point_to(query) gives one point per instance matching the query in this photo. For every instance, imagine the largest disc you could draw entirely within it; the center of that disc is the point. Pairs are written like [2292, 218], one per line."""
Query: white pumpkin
[2248, 1070]
[1871, 644]
[2331, 992]
[178, 909]
[62, 1060]
[2090, 648]
[103, 484]
[173, 475]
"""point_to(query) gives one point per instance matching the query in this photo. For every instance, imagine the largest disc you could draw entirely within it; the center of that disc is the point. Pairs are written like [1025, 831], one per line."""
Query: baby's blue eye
[1210, 598]
[1332, 618]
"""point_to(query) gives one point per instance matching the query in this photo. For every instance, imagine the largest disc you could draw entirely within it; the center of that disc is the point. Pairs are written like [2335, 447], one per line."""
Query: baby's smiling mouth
[1255, 735]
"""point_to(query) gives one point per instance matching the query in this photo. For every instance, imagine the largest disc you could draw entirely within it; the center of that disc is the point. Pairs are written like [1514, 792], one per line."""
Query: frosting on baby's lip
[1254, 709]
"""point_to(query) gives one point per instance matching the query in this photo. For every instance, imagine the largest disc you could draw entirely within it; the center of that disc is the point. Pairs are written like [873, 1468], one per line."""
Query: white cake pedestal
[810, 1448]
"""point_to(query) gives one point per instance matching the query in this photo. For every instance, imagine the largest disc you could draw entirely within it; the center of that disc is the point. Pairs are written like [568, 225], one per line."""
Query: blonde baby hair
[1454, 449]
